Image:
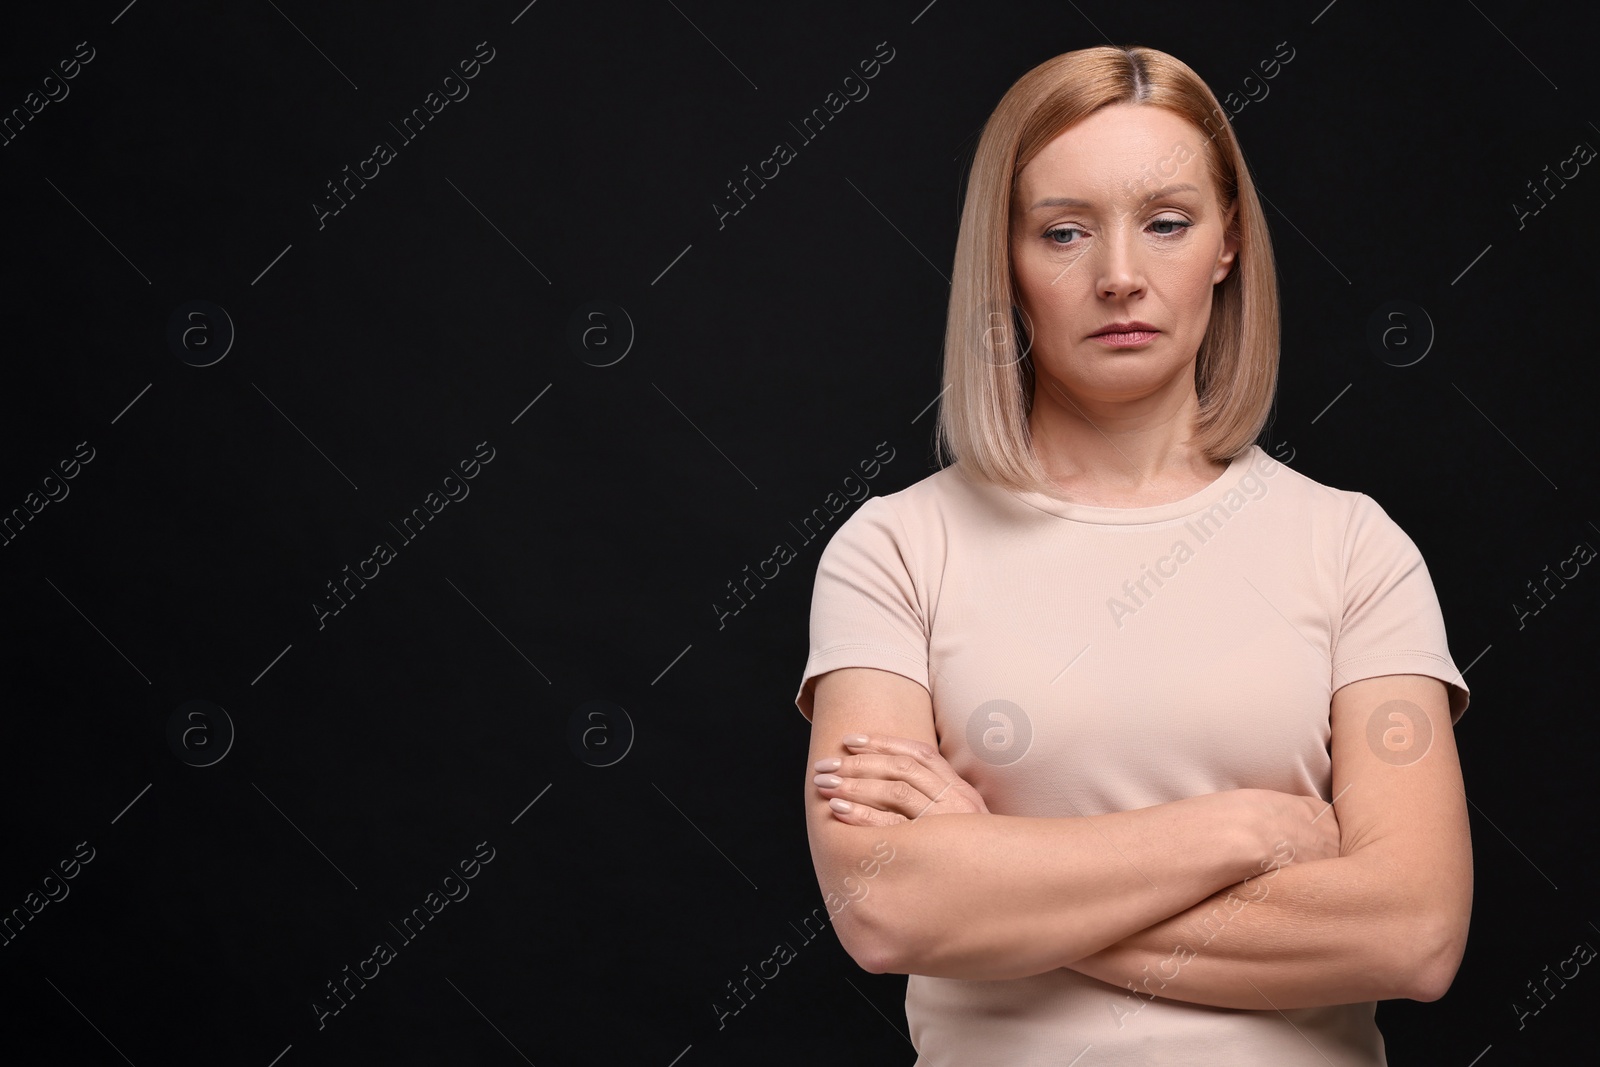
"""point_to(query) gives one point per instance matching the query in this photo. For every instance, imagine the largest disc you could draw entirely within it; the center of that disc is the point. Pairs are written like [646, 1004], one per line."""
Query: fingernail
[828, 781]
[839, 805]
[831, 764]
[855, 740]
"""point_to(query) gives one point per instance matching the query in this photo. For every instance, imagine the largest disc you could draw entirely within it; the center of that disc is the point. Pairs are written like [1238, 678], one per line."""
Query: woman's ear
[1230, 245]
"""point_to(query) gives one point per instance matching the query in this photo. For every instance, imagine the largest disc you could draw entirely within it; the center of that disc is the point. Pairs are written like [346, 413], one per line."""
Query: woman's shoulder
[1277, 473]
[911, 522]
[927, 510]
[941, 489]
[1309, 491]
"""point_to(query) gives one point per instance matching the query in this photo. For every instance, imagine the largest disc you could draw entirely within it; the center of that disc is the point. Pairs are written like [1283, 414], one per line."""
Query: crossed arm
[1386, 917]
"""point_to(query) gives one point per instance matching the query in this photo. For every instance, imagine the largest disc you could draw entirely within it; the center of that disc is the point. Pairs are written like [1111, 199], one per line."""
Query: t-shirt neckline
[1173, 509]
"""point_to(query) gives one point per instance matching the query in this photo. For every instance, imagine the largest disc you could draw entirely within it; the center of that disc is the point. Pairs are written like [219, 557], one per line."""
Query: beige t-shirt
[1084, 660]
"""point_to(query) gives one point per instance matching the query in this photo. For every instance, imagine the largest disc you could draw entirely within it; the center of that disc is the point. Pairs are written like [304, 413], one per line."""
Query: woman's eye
[1180, 224]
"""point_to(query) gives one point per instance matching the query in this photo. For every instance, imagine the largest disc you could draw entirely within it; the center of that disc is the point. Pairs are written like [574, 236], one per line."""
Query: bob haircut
[989, 376]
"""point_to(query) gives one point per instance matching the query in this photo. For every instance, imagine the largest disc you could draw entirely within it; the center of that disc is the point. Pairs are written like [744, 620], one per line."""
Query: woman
[1126, 736]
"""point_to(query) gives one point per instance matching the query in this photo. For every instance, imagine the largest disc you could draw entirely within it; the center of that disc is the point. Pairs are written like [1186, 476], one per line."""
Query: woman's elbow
[867, 917]
[1436, 970]
[869, 938]
[872, 955]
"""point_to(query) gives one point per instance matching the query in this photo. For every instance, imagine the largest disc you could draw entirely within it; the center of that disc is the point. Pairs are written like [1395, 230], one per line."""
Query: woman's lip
[1126, 338]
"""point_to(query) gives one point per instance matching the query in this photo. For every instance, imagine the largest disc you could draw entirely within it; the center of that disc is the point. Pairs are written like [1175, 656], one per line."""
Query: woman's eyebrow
[1069, 201]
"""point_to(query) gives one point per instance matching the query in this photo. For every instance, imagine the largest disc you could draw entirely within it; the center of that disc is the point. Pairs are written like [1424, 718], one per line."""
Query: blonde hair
[988, 376]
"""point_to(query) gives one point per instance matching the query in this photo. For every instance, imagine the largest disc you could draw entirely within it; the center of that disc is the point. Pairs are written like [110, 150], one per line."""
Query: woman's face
[1117, 220]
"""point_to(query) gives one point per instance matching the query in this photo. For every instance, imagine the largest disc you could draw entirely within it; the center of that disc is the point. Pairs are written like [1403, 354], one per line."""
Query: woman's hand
[888, 780]
[1305, 828]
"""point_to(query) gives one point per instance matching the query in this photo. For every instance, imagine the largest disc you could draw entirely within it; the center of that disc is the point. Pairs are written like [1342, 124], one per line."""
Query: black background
[751, 366]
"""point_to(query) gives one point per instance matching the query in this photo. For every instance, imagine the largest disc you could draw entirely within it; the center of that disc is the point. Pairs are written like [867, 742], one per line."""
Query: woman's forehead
[1118, 138]
[1119, 152]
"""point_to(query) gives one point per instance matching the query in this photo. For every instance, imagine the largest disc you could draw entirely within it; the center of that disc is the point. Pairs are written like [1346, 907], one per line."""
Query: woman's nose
[1120, 263]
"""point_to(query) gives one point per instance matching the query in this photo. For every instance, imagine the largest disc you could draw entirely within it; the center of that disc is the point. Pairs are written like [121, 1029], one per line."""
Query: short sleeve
[865, 611]
[1390, 620]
